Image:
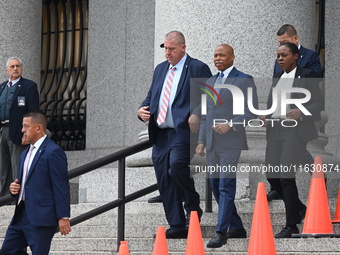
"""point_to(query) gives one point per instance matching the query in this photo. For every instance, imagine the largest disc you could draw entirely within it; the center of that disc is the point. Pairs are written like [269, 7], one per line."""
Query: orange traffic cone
[337, 209]
[160, 246]
[318, 217]
[123, 248]
[195, 244]
[261, 234]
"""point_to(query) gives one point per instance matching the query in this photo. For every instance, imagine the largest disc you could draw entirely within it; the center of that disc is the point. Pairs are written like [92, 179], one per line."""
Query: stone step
[142, 218]
[103, 246]
[244, 207]
[138, 231]
[98, 235]
[145, 225]
[234, 246]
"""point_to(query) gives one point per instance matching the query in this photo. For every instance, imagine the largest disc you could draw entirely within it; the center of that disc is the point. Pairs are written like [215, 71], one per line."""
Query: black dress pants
[284, 153]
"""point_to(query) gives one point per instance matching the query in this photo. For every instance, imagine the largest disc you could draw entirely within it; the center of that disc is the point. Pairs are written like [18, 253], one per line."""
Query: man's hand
[200, 150]
[294, 114]
[194, 123]
[14, 188]
[64, 226]
[143, 113]
[222, 128]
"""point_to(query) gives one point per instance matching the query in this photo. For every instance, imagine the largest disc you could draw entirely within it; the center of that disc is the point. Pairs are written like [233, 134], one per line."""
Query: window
[63, 70]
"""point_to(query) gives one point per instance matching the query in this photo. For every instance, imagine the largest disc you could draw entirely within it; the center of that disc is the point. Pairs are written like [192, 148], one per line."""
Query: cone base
[315, 235]
[335, 221]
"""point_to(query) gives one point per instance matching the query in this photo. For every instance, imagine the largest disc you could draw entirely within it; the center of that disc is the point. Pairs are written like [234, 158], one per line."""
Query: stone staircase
[99, 236]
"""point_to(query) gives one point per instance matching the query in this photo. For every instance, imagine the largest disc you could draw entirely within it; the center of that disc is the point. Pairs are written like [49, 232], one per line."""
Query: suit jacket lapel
[231, 76]
[21, 165]
[37, 156]
[2, 87]
[302, 52]
[211, 82]
[229, 80]
[297, 80]
[161, 81]
[297, 77]
[276, 78]
[18, 89]
[183, 76]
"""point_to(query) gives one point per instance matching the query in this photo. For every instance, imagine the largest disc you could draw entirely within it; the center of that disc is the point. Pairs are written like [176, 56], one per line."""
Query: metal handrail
[119, 156]
[122, 199]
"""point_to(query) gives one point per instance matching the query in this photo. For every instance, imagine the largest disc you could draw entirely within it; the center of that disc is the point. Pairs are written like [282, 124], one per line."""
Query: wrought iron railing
[64, 70]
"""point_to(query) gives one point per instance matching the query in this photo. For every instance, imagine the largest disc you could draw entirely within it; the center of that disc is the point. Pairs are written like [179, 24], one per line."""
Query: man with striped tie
[172, 117]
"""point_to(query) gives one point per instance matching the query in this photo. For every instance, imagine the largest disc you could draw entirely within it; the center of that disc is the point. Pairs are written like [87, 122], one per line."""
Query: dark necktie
[219, 81]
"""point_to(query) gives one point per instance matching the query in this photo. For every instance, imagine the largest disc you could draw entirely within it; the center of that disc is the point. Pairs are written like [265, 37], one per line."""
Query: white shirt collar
[180, 64]
[227, 71]
[14, 81]
[291, 74]
[39, 142]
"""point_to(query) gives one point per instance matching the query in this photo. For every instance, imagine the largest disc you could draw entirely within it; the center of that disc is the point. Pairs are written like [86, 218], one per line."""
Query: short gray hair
[7, 63]
[175, 35]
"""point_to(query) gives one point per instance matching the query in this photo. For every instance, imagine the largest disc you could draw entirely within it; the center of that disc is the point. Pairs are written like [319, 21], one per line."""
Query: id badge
[21, 101]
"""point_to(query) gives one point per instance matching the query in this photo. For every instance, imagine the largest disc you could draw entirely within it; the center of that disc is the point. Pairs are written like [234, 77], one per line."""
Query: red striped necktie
[166, 97]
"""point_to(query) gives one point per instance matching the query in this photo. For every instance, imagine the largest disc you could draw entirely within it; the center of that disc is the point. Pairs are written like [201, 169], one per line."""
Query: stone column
[20, 23]
[332, 75]
[120, 65]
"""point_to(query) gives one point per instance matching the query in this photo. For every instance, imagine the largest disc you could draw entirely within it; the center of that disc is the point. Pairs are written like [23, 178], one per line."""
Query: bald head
[223, 57]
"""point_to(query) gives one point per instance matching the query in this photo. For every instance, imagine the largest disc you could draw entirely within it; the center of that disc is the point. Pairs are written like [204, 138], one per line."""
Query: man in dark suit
[17, 96]
[42, 191]
[224, 142]
[171, 118]
[308, 59]
[286, 144]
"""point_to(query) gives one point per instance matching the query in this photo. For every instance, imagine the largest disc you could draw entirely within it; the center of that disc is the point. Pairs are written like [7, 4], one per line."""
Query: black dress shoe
[199, 212]
[157, 199]
[273, 195]
[176, 234]
[236, 233]
[217, 240]
[287, 232]
[302, 213]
